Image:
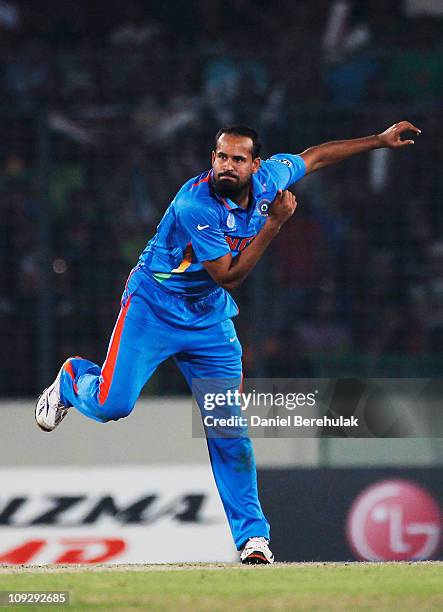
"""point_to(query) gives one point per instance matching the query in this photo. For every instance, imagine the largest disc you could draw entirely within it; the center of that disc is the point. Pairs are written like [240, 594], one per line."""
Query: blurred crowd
[107, 108]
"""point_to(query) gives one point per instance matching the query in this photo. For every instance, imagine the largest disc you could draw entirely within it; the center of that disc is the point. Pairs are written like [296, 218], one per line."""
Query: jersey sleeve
[202, 224]
[286, 169]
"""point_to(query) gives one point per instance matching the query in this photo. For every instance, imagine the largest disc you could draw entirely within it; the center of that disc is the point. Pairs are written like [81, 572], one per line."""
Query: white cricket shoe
[49, 410]
[256, 551]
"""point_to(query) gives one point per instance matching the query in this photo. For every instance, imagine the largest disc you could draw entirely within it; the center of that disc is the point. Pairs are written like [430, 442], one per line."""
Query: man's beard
[229, 189]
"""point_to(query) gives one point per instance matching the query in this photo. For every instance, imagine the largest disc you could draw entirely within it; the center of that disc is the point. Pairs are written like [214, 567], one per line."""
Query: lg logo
[394, 520]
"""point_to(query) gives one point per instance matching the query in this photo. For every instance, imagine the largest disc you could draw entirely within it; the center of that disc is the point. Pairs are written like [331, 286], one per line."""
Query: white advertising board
[114, 514]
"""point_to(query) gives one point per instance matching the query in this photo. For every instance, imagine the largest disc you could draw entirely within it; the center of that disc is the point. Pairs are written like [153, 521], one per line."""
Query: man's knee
[114, 410]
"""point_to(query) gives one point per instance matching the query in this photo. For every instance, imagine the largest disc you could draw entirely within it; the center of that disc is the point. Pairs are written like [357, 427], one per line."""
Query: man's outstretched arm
[229, 272]
[333, 152]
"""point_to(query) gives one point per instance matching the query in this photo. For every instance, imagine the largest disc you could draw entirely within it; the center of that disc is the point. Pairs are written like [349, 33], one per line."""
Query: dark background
[307, 509]
[106, 108]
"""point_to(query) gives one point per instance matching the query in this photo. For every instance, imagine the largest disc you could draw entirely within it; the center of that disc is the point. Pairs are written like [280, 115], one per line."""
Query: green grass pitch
[227, 587]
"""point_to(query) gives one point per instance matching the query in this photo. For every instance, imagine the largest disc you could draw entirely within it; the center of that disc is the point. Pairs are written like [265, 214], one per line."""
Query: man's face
[233, 164]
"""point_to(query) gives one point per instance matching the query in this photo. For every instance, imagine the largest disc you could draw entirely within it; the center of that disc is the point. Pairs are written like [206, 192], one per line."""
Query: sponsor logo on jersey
[230, 221]
[238, 243]
[282, 160]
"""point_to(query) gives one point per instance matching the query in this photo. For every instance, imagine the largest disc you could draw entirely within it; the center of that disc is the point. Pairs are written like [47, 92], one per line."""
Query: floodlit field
[304, 586]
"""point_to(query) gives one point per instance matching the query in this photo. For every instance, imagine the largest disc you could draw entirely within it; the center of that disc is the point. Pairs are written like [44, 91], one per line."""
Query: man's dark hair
[242, 130]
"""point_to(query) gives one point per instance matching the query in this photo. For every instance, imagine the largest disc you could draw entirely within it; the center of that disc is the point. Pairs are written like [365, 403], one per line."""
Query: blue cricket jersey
[199, 225]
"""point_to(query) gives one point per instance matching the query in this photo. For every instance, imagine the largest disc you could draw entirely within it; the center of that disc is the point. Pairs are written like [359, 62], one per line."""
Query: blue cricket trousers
[141, 340]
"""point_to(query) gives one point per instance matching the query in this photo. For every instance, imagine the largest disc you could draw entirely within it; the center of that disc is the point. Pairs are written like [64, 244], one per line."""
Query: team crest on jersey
[263, 206]
[230, 221]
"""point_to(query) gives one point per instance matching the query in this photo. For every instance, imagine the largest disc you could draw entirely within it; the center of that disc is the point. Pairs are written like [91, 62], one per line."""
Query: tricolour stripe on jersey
[186, 261]
[182, 267]
[203, 180]
[111, 357]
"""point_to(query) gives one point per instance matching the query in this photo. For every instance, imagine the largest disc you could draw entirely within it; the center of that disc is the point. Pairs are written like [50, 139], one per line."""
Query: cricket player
[176, 302]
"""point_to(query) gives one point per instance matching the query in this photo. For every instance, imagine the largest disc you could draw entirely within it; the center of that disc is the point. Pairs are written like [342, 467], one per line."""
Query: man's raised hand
[392, 136]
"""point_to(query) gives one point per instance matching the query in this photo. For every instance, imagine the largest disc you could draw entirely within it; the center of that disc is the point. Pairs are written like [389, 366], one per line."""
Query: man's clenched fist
[283, 207]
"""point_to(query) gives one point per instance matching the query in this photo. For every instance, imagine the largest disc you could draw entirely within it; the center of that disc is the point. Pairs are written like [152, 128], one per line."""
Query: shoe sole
[256, 559]
[42, 427]
[35, 414]
[45, 429]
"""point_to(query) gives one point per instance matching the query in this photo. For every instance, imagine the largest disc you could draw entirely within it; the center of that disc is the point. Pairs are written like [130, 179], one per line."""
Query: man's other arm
[229, 272]
[329, 153]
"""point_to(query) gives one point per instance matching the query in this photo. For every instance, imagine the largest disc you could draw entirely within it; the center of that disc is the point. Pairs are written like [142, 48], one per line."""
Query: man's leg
[136, 348]
[212, 354]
